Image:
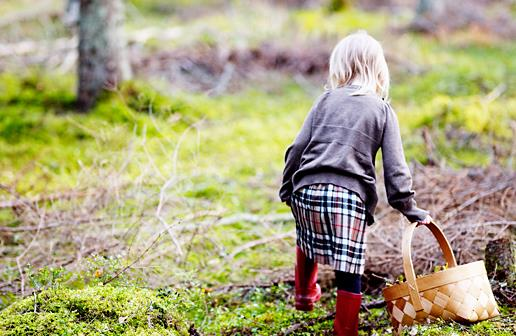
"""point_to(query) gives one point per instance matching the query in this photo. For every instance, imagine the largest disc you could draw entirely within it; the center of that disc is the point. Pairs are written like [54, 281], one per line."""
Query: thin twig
[123, 270]
[251, 244]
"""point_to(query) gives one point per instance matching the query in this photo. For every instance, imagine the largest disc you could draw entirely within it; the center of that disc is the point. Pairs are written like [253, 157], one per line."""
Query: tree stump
[500, 260]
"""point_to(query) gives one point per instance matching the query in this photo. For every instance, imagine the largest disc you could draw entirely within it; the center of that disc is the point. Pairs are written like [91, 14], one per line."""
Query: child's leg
[348, 281]
[307, 289]
[348, 303]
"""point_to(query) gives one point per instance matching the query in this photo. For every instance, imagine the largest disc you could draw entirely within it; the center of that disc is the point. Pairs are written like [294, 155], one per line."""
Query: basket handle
[408, 267]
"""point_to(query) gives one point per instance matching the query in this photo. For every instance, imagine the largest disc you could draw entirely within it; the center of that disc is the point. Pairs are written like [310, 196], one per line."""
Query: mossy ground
[96, 310]
[129, 310]
[232, 153]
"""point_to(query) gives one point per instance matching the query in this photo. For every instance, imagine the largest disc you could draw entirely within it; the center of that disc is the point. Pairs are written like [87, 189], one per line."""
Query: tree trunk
[101, 57]
[424, 7]
[427, 13]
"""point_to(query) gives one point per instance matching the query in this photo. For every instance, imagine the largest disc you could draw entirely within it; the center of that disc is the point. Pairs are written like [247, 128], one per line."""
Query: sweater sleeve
[397, 177]
[294, 153]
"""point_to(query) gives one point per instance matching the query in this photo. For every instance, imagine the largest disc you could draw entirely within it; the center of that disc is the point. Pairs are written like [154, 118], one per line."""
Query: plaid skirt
[330, 226]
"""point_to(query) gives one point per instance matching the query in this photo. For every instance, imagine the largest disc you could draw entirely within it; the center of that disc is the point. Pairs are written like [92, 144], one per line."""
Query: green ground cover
[450, 95]
[129, 310]
[231, 157]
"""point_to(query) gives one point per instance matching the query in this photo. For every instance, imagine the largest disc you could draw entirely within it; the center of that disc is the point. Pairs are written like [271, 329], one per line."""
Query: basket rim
[433, 280]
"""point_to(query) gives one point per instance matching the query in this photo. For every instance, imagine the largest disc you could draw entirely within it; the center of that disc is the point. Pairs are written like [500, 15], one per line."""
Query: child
[329, 175]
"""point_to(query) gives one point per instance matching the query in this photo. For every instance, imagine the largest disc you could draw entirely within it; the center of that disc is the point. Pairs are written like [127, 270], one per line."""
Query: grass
[232, 146]
[245, 122]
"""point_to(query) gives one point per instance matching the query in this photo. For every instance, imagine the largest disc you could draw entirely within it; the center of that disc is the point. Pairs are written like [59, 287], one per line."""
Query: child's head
[359, 59]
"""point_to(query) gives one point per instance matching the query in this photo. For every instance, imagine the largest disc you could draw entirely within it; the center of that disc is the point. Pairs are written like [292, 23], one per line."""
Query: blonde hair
[358, 59]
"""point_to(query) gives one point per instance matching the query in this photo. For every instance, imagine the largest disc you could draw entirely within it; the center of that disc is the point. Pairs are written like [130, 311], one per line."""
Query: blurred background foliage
[232, 81]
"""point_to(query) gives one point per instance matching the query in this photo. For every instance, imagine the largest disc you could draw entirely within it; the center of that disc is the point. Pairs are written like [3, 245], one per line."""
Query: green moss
[98, 310]
[129, 310]
[493, 328]
[261, 311]
[35, 88]
[109, 310]
[503, 325]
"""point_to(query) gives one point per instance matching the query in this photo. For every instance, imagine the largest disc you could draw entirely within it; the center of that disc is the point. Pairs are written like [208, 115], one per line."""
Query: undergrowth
[231, 151]
[232, 146]
[128, 310]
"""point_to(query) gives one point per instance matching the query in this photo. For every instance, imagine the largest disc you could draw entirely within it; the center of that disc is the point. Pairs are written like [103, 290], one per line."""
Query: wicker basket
[460, 293]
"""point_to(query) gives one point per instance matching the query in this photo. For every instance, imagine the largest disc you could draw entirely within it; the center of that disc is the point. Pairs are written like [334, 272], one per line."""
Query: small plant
[47, 277]
[101, 269]
[439, 268]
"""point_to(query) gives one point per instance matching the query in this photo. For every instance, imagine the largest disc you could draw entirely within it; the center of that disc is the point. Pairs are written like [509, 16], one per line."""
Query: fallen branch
[305, 324]
[67, 44]
[63, 263]
[495, 93]
[477, 197]
[18, 202]
[102, 220]
[224, 80]
[38, 47]
[123, 270]
[373, 304]
[239, 218]
[34, 12]
[291, 234]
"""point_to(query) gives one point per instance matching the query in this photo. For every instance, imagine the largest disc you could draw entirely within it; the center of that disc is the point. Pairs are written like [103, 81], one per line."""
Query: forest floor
[157, 212]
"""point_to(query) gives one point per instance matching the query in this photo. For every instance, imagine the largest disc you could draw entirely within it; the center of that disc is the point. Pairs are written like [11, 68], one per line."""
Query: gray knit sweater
[338, 144]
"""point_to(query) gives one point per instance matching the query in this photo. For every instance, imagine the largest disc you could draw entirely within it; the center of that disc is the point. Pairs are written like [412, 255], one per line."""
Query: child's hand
[425, 221]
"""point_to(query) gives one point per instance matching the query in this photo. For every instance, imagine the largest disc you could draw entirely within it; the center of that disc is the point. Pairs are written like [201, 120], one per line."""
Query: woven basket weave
[460, 293]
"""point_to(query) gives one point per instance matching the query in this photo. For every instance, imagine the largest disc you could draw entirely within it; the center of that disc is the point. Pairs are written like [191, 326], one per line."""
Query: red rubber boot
[346, 316]
[307, 289]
